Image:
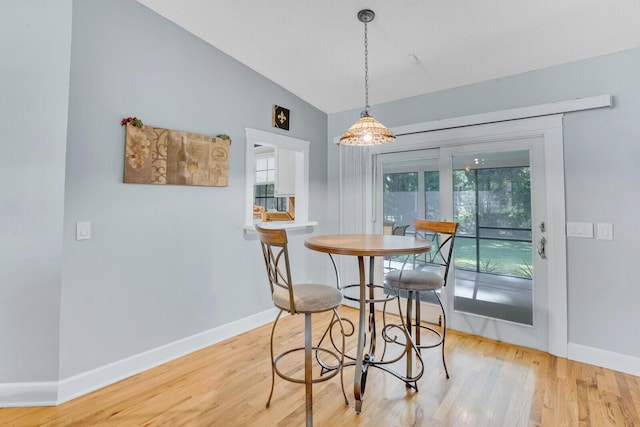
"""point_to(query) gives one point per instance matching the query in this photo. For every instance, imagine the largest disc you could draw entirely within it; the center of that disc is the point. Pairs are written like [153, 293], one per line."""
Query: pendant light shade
[367, 130]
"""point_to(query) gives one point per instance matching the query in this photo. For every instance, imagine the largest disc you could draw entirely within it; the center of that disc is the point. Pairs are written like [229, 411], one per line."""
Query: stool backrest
[400, 230]
[442, 234]
[276, 259]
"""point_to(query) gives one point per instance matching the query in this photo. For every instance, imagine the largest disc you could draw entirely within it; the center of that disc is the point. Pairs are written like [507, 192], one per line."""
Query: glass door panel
[400, 200]
[493, 248]
[432, 192]
[411, 189]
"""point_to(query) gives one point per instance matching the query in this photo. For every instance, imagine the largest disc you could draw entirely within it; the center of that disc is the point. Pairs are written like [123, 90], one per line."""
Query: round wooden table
[370, 245]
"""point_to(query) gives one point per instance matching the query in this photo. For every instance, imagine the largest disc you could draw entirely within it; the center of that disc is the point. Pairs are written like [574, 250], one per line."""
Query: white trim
[28, 394]
[580, 104]
[557, 300]
[287, 225]
[525, 128]
[274, 139]
[87, 382]
[301, 147]
[604, 358]
[56, 392]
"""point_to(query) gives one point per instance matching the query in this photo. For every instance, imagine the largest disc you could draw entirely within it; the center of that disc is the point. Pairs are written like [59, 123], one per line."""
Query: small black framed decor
[281, 117]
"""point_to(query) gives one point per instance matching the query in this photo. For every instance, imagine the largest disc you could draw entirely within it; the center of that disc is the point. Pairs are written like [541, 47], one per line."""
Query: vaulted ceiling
[315, 48]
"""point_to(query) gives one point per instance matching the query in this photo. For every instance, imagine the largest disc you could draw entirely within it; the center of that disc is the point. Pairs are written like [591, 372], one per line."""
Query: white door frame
[549, 129]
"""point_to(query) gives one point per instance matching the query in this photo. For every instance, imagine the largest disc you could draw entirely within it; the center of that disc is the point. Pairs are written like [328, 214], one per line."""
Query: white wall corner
[604, 358]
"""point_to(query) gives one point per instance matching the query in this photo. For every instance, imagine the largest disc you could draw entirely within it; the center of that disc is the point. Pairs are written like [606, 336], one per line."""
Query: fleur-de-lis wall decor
[281, 117]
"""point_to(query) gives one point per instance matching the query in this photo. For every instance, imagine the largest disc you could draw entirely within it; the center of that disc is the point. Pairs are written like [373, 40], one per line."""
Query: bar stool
[300, 299]
[431, 276]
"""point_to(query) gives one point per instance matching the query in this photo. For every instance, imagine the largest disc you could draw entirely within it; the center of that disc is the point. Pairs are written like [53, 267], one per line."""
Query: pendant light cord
[367, 130]
[366, 73]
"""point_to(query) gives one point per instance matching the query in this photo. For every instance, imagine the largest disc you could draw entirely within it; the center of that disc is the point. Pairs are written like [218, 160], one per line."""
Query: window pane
[261, 164]
[261, 176]
[504, 197]
[432, 195]
[464, 201]
[400, 197]
[493, 249]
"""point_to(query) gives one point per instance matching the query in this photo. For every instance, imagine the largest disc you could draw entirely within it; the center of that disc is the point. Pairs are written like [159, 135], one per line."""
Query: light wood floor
[491, 384]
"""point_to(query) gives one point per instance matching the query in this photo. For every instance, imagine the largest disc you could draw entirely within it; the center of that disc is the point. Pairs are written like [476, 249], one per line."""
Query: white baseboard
[604, 358]
[28, 394]
[57, 392]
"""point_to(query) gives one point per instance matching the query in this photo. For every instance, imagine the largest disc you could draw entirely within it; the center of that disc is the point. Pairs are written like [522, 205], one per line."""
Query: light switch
[580, 229]
[83, 230]
[605, 231]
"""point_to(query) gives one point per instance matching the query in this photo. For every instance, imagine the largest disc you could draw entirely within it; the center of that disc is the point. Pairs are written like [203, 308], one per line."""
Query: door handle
[541, 248]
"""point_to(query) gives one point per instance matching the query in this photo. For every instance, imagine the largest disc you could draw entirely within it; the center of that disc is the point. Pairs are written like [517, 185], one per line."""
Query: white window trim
[301, 147]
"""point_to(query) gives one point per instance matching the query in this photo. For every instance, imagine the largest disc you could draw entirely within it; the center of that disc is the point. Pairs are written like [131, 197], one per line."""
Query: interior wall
[35, 46]
[164, 262]
[601, 147]
[167, 262]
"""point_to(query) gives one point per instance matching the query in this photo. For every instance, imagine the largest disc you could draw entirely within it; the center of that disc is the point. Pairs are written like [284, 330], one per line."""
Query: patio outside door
[495, 191]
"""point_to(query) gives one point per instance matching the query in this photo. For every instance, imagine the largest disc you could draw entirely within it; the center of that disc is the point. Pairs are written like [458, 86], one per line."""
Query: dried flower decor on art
[133, 120]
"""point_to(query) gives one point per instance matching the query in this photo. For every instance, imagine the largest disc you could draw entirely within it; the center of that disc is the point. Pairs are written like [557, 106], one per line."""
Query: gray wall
[601, 153]
[164, 262]
[35, 44]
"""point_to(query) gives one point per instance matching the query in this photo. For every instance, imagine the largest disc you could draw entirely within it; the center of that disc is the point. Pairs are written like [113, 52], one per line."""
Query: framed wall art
[280, 117]
[162, 156]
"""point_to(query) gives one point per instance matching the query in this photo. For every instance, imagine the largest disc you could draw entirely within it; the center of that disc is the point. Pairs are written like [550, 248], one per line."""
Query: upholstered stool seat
[308, 298]
[414, 280]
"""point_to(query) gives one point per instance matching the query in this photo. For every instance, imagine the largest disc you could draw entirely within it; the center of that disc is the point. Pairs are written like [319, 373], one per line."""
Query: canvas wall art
[280, 117]
[163, 156]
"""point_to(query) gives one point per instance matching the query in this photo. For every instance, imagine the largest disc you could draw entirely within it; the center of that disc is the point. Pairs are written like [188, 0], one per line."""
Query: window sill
[288, 225]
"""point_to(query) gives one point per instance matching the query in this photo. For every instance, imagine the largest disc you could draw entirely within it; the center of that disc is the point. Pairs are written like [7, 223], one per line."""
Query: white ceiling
[315, 48]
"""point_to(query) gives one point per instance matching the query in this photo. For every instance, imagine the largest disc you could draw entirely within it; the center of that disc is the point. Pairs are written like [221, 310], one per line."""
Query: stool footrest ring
[332, 372]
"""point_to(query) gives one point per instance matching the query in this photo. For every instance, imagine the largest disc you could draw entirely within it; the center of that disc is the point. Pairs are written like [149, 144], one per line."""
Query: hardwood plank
[630, 413]
[584, 417]
[227, 384]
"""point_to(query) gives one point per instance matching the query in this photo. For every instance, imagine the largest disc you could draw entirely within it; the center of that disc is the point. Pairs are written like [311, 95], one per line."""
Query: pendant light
[367, 130]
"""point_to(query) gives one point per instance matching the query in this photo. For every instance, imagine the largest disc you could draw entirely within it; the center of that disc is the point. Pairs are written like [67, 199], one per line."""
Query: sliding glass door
[495, 191]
